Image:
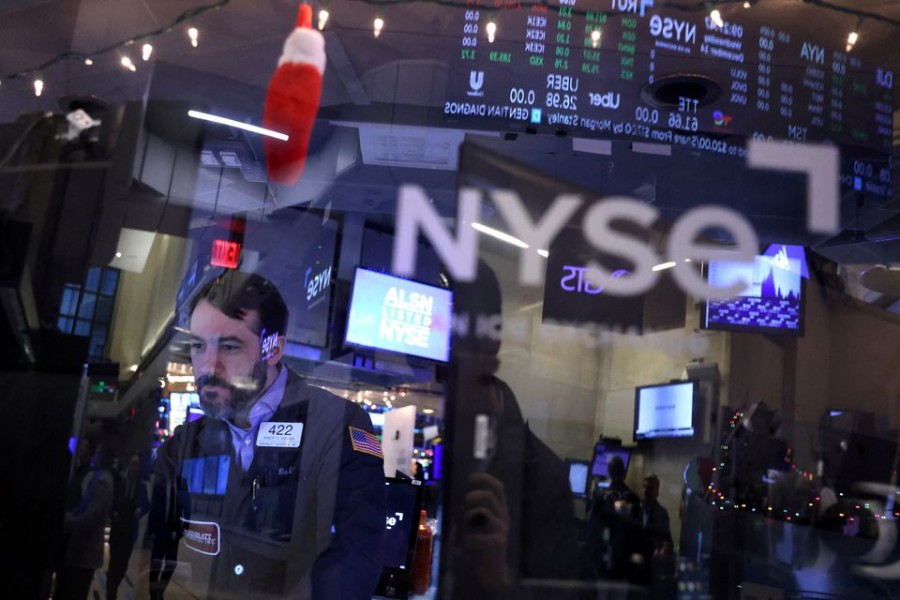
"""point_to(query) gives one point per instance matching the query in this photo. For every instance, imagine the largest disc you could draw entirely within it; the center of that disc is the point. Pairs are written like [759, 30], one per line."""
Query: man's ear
[277, 352]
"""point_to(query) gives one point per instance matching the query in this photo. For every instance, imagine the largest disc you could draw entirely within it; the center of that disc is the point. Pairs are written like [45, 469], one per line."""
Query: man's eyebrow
[228, 338]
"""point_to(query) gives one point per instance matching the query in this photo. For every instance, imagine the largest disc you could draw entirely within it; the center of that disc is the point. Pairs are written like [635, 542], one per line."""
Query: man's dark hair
[234, 293]
[616, 468]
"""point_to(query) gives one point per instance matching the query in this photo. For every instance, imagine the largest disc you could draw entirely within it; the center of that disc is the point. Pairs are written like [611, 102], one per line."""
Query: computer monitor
[579, 476]
[603, 452]
[664, 411]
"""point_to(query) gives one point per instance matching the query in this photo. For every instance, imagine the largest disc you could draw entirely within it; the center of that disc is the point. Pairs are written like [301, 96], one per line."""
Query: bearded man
[278, 490]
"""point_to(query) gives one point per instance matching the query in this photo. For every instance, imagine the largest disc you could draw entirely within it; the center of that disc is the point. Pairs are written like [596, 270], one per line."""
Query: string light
[854, 35]
[126, 62]
[716, 17]
[323, 18]
[146, 51]
[595, 38]
[88, 61]
[194, 35]
[38, 87]
[378, 25]
[491, 31]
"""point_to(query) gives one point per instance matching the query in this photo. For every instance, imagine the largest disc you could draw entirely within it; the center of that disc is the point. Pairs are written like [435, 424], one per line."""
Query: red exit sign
[225, 254]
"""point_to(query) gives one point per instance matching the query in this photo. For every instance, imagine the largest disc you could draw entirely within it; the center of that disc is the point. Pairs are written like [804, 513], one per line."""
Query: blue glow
[402, 316]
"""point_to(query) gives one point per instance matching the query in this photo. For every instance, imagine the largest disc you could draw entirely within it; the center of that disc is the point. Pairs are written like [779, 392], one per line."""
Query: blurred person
[613, 525]
[657, 565]
[511, 511]
[279, 489]
[130, 503]
[87, 508]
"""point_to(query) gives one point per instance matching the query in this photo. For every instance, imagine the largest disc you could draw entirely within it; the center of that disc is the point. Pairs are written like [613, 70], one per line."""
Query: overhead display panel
[629, 68]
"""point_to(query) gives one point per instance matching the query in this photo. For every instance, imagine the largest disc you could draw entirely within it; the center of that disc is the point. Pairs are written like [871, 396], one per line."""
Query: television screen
[579, 474]
[399, 315]
[771, 302]
[602, 453]
[664, 411]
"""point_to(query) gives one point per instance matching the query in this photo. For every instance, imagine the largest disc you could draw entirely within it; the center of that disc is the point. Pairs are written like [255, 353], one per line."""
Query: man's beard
[237, 398]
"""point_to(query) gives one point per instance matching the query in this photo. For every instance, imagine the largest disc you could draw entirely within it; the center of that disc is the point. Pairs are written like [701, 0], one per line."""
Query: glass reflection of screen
[180, 404]
[578, 476]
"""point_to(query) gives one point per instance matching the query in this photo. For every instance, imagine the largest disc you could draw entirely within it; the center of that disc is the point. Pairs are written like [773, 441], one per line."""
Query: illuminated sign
[225, 254]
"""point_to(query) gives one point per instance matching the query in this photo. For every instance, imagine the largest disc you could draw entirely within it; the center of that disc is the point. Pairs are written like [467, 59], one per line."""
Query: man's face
[650, 489]
[228, 367]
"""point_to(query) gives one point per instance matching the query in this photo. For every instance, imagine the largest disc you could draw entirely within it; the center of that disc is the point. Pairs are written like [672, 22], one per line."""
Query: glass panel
[82, 327]
[70, 300]
[110, 281]
[104, 309]
[65, 325]
[88, 302]
[92, 281]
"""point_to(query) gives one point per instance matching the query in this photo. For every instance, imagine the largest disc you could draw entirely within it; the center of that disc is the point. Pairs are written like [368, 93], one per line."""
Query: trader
[278, 491]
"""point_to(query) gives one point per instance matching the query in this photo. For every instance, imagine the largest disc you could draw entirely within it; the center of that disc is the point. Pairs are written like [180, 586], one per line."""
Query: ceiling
[389, 90]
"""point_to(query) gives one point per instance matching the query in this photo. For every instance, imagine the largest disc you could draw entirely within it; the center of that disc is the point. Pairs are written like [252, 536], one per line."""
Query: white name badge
[279, 435]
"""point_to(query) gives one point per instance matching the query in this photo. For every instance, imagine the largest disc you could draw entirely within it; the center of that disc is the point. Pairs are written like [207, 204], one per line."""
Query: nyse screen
[580, 66]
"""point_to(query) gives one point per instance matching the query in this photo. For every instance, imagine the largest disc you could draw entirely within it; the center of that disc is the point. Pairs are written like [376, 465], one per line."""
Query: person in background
[657, 567]
[130, 503]
[613, 525]
[87, 507]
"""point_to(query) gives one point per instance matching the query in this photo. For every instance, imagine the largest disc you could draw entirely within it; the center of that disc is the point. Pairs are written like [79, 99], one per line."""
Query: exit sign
[225, 254]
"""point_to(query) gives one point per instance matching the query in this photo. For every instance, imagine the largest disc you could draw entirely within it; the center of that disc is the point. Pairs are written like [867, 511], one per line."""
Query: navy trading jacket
[304, 522]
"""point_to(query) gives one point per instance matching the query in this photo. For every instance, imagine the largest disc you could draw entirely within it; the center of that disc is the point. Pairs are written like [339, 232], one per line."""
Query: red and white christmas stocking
[292, 100]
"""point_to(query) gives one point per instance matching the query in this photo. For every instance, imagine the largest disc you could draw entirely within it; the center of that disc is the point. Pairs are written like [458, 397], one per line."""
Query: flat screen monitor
[664, 411]
[772, 302]
[399, 315]
[404, 499]
[603, 452]
[579, 476]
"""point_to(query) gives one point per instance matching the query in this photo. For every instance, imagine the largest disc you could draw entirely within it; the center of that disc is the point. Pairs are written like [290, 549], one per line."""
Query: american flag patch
[363, 441]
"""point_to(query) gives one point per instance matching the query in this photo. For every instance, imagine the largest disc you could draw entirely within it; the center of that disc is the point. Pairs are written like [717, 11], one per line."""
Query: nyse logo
[607, 100]
[631, 6]
[476, 83]
[670, 28]
[317, 284]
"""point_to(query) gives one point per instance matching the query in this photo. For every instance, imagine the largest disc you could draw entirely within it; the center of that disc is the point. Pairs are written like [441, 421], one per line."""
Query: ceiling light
[716, 17]
[323, 18]
[146, 51]
[595, 38]
[378, 25]
[491, 31]
[853, 37]
[543, 252]
[126, 62]
[500, 235]
[664, 266]
[38, 86]
[88, 61]
[232, 123]
[194, 35]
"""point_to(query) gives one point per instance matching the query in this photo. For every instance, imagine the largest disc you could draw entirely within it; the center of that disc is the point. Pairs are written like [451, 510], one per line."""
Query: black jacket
[301, 522]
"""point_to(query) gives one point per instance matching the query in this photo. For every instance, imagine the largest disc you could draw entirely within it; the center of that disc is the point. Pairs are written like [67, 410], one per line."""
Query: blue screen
[665, 411]
[399, 315]
[771, 301]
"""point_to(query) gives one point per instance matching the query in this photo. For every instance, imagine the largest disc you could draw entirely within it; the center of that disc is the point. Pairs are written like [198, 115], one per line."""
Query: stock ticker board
[580, 66]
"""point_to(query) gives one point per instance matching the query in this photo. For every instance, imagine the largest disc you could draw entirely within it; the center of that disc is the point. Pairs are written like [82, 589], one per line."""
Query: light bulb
[851, 40]
[716, 17]
[323, 18]
[194, 35]
[595, 38]
[378, 25]
[38, 86]
[126, 62]
[88, 61]
[491, 31]
[146, 51]
[747, 4]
